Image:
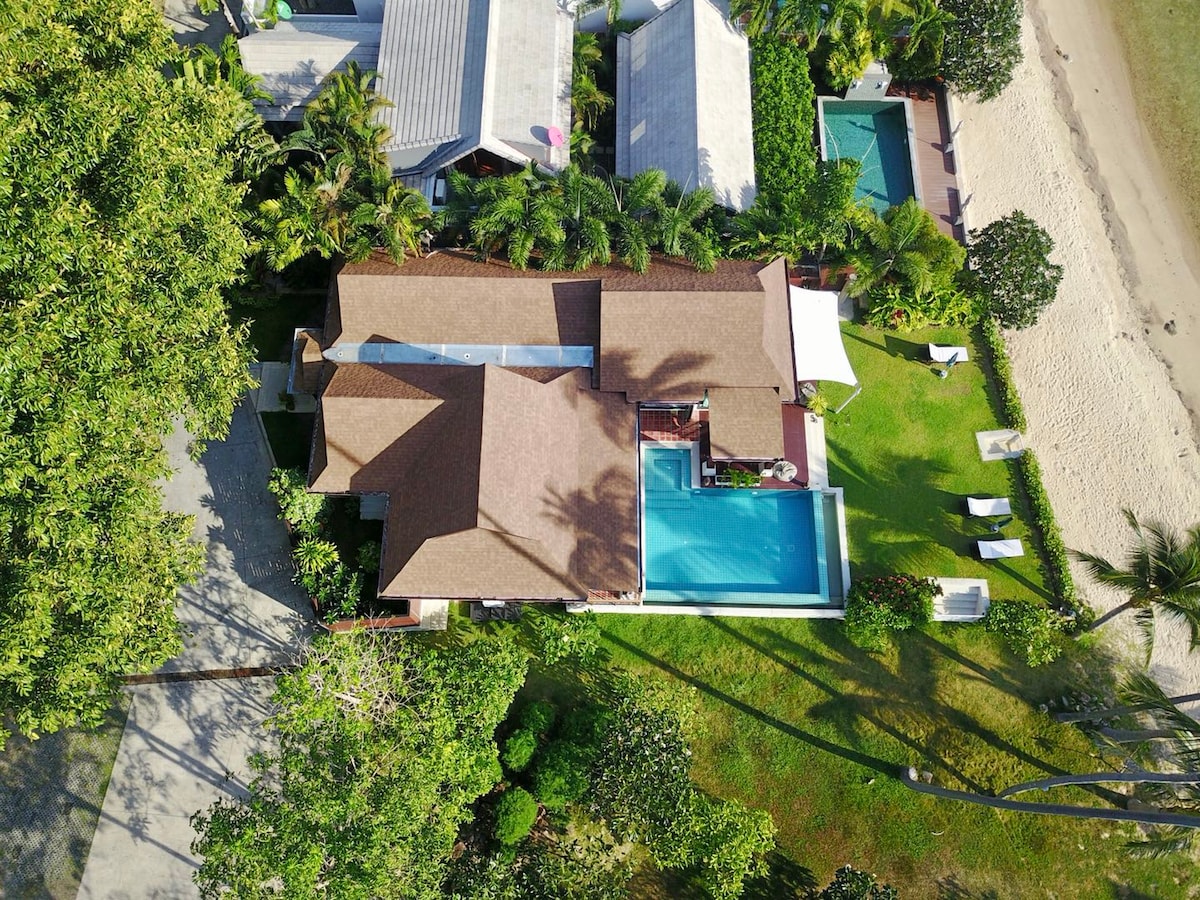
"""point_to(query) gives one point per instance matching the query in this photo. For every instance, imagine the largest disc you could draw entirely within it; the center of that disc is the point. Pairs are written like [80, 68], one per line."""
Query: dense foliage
[121, 226]
[877, 606]
[1031, 631]
[1010, 399]
[1057, 561]
[852, 884]
[1011, 269]
[516, 812]
[983, 46]
[574, 220]
[905, 248]
[783, 113]
[384, 744]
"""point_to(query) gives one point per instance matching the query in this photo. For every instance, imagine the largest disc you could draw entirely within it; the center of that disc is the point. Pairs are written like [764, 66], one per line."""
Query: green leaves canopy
[385, 741]
[983, 46]
[1011, 269]
[121, 227]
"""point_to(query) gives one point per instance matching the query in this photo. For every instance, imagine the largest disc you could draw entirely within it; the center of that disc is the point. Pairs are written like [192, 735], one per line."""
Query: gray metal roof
[470, 74]
[683, 102]
[294, 57]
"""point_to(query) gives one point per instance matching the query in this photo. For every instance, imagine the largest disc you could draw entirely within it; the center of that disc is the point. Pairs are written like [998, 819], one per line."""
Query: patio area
[935, 158]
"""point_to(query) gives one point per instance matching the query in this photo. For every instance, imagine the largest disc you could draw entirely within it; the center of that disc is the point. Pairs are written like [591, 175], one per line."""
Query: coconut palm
[756, 16]
[926, 32]
[1161, 576]
[905, 247]
[392, 217]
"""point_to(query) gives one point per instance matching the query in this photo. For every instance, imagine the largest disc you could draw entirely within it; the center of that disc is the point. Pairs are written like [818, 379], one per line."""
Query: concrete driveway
[185, 745]
[244, 611]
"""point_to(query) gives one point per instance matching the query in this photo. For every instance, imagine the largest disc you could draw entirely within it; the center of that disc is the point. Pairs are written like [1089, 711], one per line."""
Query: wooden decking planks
[939, 183]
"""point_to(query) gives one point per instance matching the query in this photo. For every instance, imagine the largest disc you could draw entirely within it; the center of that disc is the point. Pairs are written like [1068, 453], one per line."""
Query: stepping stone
[1002, 444]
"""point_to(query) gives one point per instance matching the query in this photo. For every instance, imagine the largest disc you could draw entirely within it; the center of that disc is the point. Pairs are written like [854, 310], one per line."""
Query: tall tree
[983, 46]
[905, 247]
[1161, 576]
[122, 225]
[1011, 269]
[384, 743]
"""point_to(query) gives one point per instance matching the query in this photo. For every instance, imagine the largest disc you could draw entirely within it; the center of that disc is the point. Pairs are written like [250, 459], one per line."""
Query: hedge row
[1061, 582]
[783, 111]
[1014, 412]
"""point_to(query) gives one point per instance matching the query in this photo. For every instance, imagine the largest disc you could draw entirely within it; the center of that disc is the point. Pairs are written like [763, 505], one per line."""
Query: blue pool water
[717, 545]
[875, 132]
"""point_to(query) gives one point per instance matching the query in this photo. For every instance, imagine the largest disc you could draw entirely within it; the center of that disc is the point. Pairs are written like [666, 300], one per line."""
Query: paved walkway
[186, 742]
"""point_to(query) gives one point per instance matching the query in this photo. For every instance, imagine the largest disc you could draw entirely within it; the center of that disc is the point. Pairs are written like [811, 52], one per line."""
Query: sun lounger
[939, 353]
[989, 506]
[1001, 549]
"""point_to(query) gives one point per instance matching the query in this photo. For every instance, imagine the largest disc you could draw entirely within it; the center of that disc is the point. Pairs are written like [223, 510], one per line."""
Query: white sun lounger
[989, 506]
[939, 353]
[1001, 549]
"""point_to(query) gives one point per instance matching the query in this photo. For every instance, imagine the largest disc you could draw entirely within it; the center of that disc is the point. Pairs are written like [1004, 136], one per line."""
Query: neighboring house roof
[504, 483]
[683, 102]
[728, 329]
[293, 58]
[745, 423]
[465, 75]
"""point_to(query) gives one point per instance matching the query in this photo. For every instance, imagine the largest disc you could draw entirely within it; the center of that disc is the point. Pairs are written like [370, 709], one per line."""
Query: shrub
[516, 813]
[519, 749]
[1011, 269]
[1031, 631]
[893, 307]
[567, 636]
[983, 45]
[305, 512]
[876, 606]
[742, 479]
[336, 590]
[783, 112]
[369, 555]
[313, 556]
[537, 717]
[561, 775]
[1010, 400]
[1057, 559]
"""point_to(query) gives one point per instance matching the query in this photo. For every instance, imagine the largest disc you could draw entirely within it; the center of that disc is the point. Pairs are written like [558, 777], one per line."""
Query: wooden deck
[939, 179]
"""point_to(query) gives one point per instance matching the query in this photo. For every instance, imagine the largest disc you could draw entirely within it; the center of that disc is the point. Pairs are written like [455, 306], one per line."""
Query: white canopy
[817, 338]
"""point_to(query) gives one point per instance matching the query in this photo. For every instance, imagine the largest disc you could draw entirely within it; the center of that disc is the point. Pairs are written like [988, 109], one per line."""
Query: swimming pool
[876, 132]
[745, 546]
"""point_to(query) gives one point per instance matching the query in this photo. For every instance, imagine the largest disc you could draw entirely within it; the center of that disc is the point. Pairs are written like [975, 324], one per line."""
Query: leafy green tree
[919, 54]
[519, 749]
[1161, 576]
[561, 776]
[121, 194]
[852, 884]
[1032, 631]
[905, 247]
[982, 47]
[385, 742]
[516, 813]
[1011, 269]
[304, 511]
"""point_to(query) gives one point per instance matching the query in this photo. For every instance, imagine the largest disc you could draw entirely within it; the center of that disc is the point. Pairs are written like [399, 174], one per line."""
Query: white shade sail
[817, 338]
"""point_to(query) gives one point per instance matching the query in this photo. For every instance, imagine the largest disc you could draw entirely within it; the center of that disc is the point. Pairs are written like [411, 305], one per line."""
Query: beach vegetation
[917, 55]
[1011, 269]
[877, 606]
[906, 248]
[982, 46]
[1160, 577]
[1032, 631]
[122, 192]
[391, 734]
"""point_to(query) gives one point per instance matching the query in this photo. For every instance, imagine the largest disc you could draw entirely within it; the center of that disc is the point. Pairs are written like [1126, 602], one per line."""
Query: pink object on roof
[555, 136]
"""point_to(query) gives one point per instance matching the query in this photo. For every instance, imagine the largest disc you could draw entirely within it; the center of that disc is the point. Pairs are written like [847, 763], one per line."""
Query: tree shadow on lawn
[885, 709]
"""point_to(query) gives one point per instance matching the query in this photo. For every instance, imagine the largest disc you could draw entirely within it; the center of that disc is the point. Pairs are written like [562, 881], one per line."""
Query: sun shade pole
[846, 402]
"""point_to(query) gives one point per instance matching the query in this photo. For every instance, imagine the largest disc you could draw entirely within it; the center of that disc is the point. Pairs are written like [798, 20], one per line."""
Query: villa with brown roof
[504, 416]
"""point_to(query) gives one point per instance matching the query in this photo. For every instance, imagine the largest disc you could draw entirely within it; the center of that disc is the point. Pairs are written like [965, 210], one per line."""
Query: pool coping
[910, 128]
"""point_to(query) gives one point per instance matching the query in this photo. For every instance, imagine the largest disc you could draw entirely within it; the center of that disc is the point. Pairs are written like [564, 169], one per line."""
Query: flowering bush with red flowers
[877, 606]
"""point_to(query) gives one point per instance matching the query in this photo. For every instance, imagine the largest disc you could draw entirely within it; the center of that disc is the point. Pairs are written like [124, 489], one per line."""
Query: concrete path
[185, 745]
[244, 611]
[186, 741]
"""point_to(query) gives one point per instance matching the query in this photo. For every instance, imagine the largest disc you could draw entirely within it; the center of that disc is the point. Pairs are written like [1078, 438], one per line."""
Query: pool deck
[938, 173]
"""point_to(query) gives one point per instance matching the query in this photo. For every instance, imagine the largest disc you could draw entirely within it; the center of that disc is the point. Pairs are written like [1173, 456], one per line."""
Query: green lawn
[905, 452]
[798, 721]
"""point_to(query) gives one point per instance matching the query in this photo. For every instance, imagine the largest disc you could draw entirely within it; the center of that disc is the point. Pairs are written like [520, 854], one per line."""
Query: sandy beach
[1111, 394]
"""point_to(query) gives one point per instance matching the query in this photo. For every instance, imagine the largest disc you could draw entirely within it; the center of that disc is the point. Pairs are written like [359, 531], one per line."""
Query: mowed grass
[905, 452]
[796, 720]
[1159, 39]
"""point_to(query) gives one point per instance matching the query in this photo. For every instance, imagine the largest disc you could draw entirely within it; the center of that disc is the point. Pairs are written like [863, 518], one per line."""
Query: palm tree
[674, 225]
[635, 201]
[612, 9]
[393, 218]
[588, 208]
[308, 216]
[1161, 575]
[519, 213]
[756, 16]
[926, 29]
[905, 247]
[344, 118]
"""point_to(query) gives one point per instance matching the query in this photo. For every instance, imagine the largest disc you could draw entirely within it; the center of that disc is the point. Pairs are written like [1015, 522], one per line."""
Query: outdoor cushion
[989, 506]
[939, 353]
[1001, 549]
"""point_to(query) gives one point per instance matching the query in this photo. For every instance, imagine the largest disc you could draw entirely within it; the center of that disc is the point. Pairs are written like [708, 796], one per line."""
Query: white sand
[1064, 144]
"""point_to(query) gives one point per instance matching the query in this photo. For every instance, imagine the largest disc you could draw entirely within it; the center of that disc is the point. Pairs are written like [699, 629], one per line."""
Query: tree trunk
[1111, 614]
[1114, 711]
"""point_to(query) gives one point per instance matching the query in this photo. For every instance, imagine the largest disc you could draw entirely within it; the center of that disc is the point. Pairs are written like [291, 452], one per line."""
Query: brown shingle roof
[745, 423]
